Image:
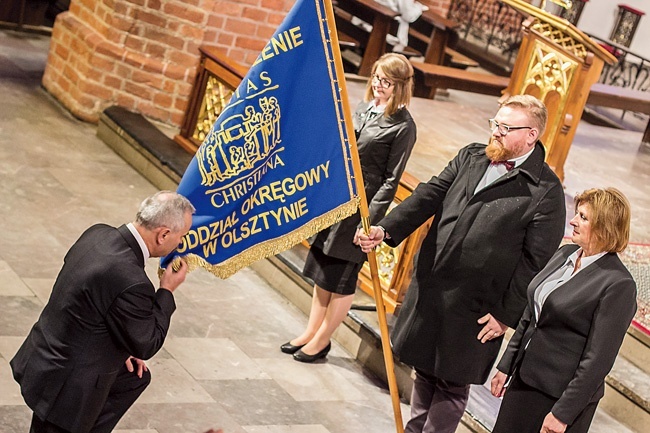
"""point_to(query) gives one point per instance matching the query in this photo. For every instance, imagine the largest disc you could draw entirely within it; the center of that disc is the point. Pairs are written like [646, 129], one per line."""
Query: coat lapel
[578, 280]
[556, 261]
[478, 164]
[532, 168]
[387, 121]
[133, 243]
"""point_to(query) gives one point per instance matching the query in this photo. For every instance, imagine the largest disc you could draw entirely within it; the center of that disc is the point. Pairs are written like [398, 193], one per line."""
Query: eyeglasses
[383, 82]
[504, 129]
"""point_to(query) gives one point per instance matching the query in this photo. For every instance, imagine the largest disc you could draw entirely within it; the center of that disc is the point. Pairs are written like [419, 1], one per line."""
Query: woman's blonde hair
[610, 217]
[397, 69]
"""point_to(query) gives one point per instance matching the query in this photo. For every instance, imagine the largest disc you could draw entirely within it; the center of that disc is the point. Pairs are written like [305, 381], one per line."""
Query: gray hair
[164, 209]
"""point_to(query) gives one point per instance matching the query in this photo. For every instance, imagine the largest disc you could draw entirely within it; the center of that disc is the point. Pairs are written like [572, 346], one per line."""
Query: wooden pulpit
[558, 64]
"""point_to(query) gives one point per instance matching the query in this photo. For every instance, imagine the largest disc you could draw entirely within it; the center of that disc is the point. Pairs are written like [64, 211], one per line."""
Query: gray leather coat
[384, 145]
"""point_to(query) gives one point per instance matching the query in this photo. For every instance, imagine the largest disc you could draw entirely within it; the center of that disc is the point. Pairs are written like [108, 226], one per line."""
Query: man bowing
[81, 368]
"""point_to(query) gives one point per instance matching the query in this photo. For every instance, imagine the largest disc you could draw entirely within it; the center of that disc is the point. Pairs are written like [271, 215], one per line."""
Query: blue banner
[276, 166]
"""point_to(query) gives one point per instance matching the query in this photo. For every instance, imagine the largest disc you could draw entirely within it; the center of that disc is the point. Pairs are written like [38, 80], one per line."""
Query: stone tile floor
[220, 367]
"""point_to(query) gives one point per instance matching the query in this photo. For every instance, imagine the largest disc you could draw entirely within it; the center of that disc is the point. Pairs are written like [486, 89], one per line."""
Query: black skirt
[524, 408]
[330, 273]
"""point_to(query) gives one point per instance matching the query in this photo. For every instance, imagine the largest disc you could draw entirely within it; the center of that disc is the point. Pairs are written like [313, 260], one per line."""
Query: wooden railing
[489, 32]
[217, 78]
[631, 71]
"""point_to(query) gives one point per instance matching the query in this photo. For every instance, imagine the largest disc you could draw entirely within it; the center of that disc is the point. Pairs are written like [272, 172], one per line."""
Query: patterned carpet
[637, 259]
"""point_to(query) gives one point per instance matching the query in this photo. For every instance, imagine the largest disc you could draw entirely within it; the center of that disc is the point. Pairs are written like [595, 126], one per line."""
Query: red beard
[495, 151]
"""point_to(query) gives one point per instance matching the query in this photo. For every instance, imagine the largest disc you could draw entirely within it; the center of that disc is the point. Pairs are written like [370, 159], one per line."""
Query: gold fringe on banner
[271, 247]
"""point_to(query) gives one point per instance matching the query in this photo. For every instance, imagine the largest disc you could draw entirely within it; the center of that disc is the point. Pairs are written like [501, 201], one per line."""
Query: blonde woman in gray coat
[385, 134]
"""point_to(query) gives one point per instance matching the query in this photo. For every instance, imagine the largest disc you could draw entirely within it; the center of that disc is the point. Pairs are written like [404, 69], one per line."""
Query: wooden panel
[215, 64]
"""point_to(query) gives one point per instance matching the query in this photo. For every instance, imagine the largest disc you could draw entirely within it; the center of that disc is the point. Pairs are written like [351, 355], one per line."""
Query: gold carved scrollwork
[549, 71]
[240, 142]
[387, 259]
[217, 96]
[561, 38]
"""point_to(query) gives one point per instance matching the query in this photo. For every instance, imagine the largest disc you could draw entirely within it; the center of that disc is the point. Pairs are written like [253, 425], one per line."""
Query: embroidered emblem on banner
[241, 142]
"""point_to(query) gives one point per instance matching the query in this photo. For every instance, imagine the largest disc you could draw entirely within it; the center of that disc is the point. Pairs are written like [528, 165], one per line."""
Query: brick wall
[143, 54]
[241, 28]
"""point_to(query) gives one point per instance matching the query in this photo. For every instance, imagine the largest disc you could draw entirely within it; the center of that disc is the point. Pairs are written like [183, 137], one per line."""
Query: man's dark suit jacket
[103, 309]
[574, 343]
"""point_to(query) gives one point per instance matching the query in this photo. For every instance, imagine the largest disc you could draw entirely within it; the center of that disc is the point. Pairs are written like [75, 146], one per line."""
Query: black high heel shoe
[303, 357]
[290, 348]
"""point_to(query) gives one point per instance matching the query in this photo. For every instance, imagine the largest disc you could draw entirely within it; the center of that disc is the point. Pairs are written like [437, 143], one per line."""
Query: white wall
[599, 16]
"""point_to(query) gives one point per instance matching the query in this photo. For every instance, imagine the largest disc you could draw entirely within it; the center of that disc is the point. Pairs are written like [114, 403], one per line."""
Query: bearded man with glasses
[499, 215]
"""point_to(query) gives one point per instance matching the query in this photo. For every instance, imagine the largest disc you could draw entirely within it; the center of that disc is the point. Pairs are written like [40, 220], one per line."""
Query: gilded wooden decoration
[549, 71]
[563, 39]
[217, 95]
[387, 260]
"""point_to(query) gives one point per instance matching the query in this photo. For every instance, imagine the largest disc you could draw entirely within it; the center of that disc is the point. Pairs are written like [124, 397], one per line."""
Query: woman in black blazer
[579, 308]
[385, 134]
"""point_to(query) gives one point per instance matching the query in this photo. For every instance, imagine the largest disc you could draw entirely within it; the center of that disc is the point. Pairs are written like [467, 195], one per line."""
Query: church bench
[452, 58]
[435, 36]
[373, 42]
[431, 36]
[619, 97]
[622, 98]
[428, 78]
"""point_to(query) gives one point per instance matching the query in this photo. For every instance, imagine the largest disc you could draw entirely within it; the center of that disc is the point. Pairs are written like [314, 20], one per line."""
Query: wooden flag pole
[365, 220]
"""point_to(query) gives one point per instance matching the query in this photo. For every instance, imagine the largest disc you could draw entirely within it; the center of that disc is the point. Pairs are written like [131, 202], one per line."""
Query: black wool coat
[103, 309]
[478, 257]
[384, 145]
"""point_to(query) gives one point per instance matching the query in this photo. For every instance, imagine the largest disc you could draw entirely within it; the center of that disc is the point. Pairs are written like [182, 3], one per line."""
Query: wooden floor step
[605, 423]
[636, 348]
[139, 142]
